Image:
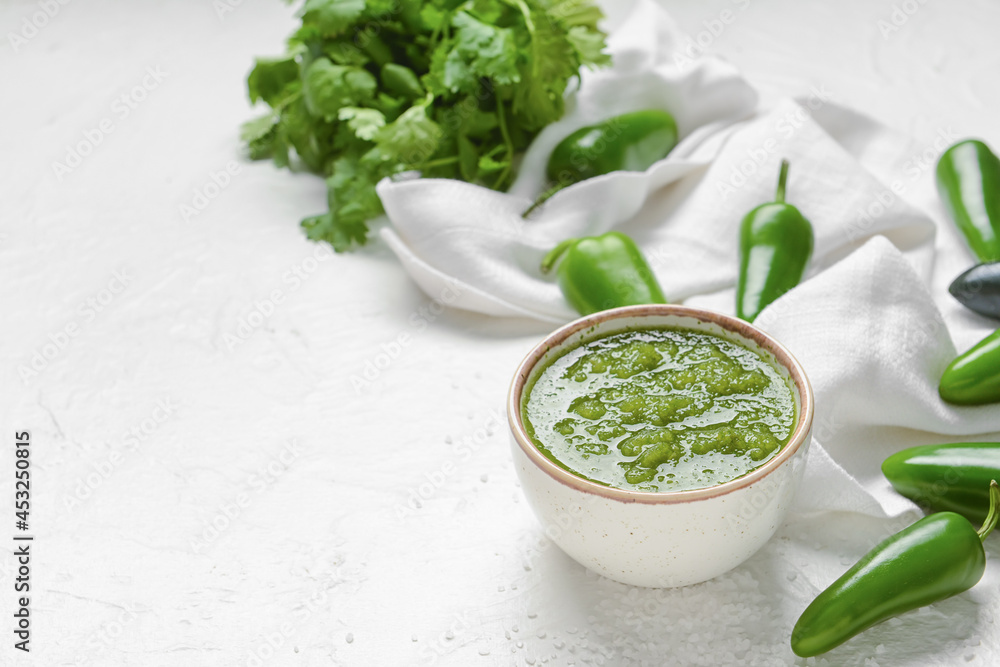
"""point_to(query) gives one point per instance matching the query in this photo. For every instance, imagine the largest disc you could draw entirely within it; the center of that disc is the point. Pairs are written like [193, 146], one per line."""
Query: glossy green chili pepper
[978, 289]
[776, 242]
[974, 377]
[968, 181]
[600, 272]
[953, 477]
[629, 142]
[938, 556]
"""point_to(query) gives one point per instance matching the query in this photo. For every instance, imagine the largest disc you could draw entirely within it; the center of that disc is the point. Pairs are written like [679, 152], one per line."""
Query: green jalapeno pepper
[600, 272]
[938, 556]
[978, 289]
[973, 378]
[953, 477]
[776, 242]
[968, 181]
[629, 142]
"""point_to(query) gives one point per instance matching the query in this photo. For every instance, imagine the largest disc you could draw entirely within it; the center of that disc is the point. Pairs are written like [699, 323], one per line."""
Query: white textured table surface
[249, 451]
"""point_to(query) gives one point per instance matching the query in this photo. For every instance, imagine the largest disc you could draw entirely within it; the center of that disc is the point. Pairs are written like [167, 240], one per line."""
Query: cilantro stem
[502, 122]
[440, 162]
[527, 16]
[445, 21]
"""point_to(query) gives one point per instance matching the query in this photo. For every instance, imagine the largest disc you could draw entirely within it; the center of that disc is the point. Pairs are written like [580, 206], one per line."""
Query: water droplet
[541, 634]
[506, 633]
[559, 644]
[349, 638]
[501, 588]
[791, 576]
[413, 638]
[514, 627]
[532, 614]
[484, 651]
[448, 439]
[484, 478]
[519, 644]
[449, 635]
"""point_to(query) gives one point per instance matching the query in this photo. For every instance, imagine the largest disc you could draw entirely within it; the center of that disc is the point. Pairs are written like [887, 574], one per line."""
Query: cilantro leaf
[329, 87]
[572, 13]
[589, 45]
[332, 17]
[539, 101]
[411, 139]
[259, 134]
[365, 123]
[352, 200]
[273, 80]
[480, 50]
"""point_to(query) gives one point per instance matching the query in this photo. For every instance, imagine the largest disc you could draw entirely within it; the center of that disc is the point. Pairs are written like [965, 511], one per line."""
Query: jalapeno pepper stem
[553, 255]
[782, 178]
[991, 518]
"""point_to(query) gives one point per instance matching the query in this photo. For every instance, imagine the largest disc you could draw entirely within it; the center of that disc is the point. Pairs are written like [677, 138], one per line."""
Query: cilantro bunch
[452, 88]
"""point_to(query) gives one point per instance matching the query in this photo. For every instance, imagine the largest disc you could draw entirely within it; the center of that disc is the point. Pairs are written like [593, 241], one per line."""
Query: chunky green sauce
[659, 410]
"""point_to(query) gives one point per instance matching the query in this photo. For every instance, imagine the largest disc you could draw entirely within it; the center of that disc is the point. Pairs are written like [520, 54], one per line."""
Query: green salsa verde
[659, 410]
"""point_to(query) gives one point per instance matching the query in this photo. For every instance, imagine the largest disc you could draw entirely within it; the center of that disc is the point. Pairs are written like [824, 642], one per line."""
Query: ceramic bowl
[660, 539]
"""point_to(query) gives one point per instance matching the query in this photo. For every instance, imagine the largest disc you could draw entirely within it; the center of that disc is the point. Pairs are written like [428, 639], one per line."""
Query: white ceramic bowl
[660, 539]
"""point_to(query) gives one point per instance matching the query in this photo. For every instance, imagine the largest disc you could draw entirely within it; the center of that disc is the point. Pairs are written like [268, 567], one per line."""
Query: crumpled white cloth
[872, 322]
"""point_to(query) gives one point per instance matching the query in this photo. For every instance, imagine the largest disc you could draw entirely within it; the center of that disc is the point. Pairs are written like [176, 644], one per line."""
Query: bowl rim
[734, 325]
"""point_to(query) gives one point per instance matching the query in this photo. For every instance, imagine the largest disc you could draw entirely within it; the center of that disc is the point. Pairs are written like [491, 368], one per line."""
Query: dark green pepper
[938, 556]
[954, 477]
[600, 272]
[978, 289]
[974, 377]
[968, 181]
[629, 142]
[776, 242]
